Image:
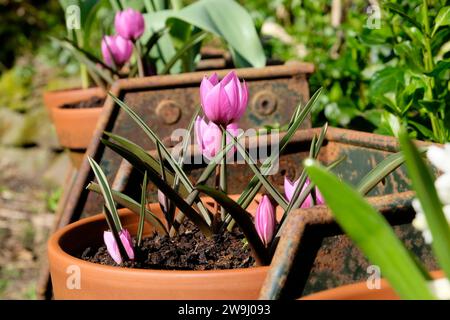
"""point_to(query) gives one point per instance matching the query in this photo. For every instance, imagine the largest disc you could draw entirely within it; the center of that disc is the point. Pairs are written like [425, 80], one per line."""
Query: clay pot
[359, 291]
[108, 282]
[74, 127]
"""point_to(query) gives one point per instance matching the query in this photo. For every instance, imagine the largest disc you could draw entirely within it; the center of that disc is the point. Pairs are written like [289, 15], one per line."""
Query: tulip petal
[111, 246]
[127, 242]
[265, 220]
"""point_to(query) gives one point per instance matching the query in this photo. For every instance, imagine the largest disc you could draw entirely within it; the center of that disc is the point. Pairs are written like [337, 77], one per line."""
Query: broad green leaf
[423, 184]
[230, 21]
[371, 233]
[164, 48]
[106, 192]
[442, 19]
[243, 219]
[132, 205]
[385, 81]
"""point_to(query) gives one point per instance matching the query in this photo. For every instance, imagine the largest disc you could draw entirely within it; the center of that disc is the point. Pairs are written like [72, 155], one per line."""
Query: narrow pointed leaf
[154, 137]
[265, 182]
[132, 205]
[378, 173]
[142, 211]
[181, 204]
[254, 184]
[106, 192]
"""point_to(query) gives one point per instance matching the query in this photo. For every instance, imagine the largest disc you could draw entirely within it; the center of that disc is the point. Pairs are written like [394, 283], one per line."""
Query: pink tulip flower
[113, 248]
[225, 101]
[129, 24]
[116, 49]
[265, 220]
[209, 137]
[289, 189]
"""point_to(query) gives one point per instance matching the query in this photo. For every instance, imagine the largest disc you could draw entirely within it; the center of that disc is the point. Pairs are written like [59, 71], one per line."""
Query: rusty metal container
[168, 102]
[313, 253]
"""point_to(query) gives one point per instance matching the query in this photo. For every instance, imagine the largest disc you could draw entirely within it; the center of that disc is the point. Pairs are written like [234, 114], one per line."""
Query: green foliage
[53, 199]
[374, 78]
[24, 24]
[16, 87]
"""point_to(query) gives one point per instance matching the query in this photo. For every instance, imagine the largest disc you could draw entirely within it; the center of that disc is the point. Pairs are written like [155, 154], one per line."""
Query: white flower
[440, 157]
[442, 185]
[440, 288]
[420, 222]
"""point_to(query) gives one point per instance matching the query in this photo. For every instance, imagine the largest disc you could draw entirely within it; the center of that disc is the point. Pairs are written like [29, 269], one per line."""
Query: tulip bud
[209, 137]
[265, 220]
[129, 24]
[162, 199]
[116, 49]
[113, 248]
[225, 101]
[289, 189]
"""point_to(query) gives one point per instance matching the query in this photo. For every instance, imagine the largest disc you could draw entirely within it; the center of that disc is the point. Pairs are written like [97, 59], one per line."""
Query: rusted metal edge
[186, 79]
[301, 219]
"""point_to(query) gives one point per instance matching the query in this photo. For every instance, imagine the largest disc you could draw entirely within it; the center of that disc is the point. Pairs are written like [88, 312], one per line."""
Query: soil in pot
[92, 102]
[190, 250]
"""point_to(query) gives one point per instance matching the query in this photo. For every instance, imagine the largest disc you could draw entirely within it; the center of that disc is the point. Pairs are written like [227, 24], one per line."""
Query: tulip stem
[223, 175]
[139, 62]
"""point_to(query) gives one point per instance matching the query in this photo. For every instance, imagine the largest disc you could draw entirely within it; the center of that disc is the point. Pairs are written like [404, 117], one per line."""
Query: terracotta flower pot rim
[360, 290]
[57, 250]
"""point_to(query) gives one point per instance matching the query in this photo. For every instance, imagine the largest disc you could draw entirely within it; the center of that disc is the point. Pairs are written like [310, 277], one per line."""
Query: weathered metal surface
[313, 254]
[168, 102]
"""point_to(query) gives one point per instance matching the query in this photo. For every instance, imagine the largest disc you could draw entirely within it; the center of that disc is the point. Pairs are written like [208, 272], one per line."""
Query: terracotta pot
[108, 282]
[74, 127]
[359, 291]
